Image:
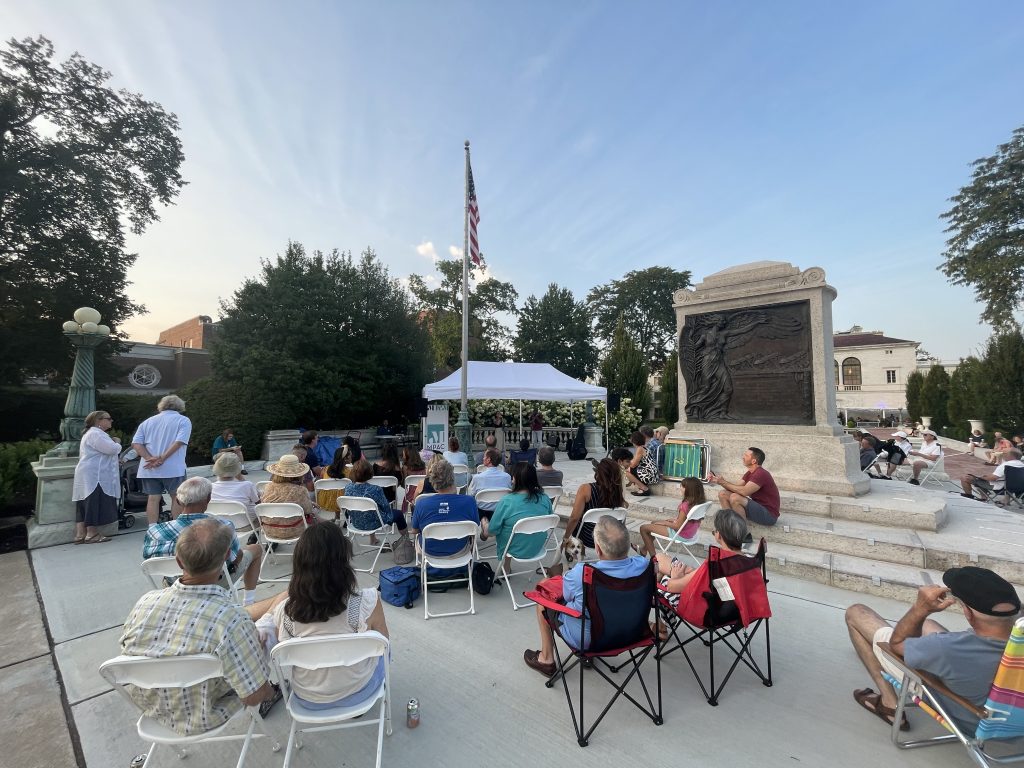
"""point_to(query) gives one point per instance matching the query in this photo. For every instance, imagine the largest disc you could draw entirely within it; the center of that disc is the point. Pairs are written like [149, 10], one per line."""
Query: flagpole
[463, 429]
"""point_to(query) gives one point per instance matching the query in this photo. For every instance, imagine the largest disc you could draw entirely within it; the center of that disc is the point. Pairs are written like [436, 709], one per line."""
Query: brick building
[195, 333]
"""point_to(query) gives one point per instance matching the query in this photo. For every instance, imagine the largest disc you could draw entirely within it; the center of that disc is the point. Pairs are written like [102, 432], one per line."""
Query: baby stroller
[133, 500]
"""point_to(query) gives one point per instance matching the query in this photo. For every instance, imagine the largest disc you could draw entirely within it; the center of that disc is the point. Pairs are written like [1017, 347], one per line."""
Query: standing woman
[97, 483]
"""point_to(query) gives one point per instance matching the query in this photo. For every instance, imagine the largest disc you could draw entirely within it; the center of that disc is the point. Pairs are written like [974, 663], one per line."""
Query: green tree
[79, 162]
[555, 329]
[670, 390]
[986, 225]
[624, 370]
[644, 298]
[966, 397]
[441, 312]
[1002, 366]
[935, 397]
[915, 381]
[332, 338]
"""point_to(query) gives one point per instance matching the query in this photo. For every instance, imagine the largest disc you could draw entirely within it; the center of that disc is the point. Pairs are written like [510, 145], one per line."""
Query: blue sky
[606, 136]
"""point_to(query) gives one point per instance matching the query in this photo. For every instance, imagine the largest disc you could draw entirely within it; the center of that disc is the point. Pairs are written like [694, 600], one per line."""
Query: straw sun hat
[288, 466]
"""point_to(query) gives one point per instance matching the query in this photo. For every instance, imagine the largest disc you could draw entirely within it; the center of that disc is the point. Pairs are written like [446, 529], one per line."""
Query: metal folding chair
[687, 534]
[156, 569]
[591, 516]
[383, 530]
[464, 558]
[268, 514]
[529, 526]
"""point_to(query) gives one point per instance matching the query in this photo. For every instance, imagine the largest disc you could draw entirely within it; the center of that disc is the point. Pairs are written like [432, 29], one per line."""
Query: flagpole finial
[467, 143]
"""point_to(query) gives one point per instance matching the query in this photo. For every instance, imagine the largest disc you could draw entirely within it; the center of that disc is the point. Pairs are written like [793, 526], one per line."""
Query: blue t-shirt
[572, 593]
[444, 508]
[512, 509]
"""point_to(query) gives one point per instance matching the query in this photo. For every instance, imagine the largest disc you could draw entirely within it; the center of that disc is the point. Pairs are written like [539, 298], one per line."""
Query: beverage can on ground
[412, 714]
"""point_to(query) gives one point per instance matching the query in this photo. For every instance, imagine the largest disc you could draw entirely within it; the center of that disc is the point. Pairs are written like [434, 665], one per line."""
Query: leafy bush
[16, 478]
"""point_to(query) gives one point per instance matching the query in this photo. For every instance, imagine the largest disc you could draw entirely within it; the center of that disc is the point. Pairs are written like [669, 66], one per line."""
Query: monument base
[594, 439]
[803, 459]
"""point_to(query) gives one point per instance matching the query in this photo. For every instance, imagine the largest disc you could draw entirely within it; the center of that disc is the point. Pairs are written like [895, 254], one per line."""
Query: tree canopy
[670, 390]
[915, 382]
[985, 249]
[624, 371]
[441, 312]
[935, 397]
[333, 338]
[644, 298]
[555, 329]
[78, 162]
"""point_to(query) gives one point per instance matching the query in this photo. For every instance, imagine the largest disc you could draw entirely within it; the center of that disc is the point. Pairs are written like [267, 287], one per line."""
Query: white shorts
[883, 635]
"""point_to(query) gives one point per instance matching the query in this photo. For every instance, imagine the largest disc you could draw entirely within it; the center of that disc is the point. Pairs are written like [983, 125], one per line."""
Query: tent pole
[607, 443]
[520, 421]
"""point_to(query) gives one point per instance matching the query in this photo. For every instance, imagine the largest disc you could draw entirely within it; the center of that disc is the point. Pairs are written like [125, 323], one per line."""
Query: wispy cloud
[427, 250]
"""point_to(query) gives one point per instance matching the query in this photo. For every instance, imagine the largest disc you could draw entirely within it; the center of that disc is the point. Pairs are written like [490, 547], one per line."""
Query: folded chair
[687, 534]
[1001, 718]
[325, 652]
[178, 672]
[724, 604]
[617, 612]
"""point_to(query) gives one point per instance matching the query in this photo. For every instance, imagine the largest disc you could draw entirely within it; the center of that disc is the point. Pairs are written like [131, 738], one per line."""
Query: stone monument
[756, 369]
[54, 521]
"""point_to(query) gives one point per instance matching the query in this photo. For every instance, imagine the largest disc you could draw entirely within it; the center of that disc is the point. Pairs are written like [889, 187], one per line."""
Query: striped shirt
[161, 538]
[188, 619]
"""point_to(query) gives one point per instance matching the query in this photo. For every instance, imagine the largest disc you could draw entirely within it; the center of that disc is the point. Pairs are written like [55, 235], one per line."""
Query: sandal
[872, 702]
[78, 540]
[98, 539]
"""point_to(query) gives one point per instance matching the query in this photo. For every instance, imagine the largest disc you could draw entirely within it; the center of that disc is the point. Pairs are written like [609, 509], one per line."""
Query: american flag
[474, 219]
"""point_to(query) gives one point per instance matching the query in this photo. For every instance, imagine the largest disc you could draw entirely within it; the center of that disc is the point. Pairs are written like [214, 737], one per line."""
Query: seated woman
[360, 473]
[336, 470]
[604, 492]
[526, 500]
[226, 443]
[642, 471]
[286, 486]
[692, 491]
[525, 453]
[355, 451]
[388, 466]
[230, 486]
[324, 598]
[412, 464]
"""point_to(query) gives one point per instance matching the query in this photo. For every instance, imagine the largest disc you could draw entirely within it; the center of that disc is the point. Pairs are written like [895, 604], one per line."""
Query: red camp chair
[726, 602]
[617, 611]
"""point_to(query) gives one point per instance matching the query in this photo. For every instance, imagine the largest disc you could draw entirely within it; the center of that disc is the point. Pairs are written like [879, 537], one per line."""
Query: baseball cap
[981, 590]
[901, 433]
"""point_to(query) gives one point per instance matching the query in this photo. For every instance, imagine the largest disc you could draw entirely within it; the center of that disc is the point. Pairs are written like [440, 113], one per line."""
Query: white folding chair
[461, 472]
[595, 514]
[329, 484]
[906, 471]
[261, 486]
[236, 513]
[178, 672]
[278, 511]
[480, 468]
[382, 529]
[422, 496]
[528, 526]
[325, 652]
[464, 558]
[386, 481]
[157, 569]
[412, 481]
[685, 538]
[491, 496]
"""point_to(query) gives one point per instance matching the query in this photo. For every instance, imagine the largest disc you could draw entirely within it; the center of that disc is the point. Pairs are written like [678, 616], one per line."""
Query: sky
[606, 137]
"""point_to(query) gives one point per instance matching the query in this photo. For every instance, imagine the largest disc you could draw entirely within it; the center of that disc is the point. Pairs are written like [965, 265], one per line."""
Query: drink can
[412, 714]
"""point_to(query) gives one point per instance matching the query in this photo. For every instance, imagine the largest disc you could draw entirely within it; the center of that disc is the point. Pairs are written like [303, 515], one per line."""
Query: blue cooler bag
[400, 586]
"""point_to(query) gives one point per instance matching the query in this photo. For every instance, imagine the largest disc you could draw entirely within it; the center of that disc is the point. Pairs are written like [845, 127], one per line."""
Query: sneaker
[268, 705]
[914, 481]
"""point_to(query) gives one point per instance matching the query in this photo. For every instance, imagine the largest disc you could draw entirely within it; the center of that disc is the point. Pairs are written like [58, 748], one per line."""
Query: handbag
[483, 577]
[403, 551]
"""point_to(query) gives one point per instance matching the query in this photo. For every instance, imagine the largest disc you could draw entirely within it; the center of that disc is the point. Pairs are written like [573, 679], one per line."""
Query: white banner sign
[436, 431]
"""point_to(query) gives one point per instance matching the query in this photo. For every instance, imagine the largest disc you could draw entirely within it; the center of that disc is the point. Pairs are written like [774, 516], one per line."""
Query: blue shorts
[757, 513]
[154, 486]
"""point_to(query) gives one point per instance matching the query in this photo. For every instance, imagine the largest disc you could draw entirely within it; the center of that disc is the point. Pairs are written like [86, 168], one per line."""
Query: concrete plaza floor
[480, 704]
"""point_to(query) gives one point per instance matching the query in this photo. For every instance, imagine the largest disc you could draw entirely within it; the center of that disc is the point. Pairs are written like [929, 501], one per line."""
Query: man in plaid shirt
[197, 615]
[194, 497]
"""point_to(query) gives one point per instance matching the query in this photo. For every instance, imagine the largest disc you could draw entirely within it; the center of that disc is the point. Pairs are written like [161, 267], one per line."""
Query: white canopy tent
[517, 381]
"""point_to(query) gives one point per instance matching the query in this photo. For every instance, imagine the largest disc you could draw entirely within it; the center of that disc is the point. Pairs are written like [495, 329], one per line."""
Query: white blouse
[97, 465]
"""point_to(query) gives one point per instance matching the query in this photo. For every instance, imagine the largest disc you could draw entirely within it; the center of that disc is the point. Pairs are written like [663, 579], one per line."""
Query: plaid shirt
[161, 538]
[188, 619]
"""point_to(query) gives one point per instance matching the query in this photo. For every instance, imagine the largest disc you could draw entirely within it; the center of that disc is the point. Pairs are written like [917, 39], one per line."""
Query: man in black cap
[965, 661]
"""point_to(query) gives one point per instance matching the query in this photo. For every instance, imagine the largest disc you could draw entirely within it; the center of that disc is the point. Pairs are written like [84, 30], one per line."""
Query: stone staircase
[886, 543]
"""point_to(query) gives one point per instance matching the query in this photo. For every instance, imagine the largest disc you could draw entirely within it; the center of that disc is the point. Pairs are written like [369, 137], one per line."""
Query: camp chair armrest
[934, 684]
[552, 605]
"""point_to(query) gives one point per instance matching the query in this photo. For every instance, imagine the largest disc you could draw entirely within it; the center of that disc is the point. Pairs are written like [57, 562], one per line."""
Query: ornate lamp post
[85, 334]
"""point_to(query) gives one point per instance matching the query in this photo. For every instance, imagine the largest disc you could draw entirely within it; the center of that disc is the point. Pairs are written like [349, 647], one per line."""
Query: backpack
[483, 577]
[400, 586]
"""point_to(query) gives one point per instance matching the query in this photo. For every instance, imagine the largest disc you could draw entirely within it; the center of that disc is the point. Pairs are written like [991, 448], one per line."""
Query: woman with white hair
[230, 485]
[97, 484]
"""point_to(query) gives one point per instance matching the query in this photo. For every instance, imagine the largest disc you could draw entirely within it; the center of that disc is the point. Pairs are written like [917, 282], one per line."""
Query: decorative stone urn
[926, 421]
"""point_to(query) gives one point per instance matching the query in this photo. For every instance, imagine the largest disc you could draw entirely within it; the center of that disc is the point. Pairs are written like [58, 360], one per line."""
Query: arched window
[851, 371]
[838, 380]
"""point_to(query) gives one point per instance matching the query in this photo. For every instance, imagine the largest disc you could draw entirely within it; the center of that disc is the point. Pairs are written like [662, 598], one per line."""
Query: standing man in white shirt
[161, 441]
[926, 456]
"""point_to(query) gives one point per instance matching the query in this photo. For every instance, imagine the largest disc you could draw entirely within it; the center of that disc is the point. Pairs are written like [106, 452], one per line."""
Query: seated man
[492, 478]
[489, 442]
[309, 440]
[965, 661]
[925, 456]
[755, 497]
[525, 453]
[194, 497]
[896, 450]
[867, 453]
[547, 474]
[385, 429]
[446, 506]
[612, 541]
[994, 483]
[196, 615]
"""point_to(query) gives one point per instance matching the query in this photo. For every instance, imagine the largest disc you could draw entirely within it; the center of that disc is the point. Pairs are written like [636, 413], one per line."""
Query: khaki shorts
[883, 635]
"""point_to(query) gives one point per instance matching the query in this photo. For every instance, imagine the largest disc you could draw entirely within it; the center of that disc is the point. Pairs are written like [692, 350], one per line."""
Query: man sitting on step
[755, 497]
[965, 661]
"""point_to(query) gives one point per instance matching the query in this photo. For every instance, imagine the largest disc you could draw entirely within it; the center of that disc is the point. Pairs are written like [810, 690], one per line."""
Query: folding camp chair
[528, 526]
[178, 672]
[321, 653]
[464, 558]
[1001, 718]
[591, 516]
[932, 474]
[687, 534]
[726, 602]
[617, 612]
[1014, 489]
[381, 529]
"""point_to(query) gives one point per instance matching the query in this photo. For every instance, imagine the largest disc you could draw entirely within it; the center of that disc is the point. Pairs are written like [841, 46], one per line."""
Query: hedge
[17, 482]
[29, 414]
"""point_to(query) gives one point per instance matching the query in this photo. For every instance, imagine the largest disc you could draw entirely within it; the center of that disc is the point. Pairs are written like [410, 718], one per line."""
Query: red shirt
[767, 495]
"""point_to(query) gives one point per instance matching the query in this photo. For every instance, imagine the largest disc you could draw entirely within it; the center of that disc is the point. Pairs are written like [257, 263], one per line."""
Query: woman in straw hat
[286, 476]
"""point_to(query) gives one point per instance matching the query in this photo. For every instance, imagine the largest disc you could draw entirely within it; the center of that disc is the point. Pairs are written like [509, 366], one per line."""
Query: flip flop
[78, 541]
[872, 702]
[95, 539]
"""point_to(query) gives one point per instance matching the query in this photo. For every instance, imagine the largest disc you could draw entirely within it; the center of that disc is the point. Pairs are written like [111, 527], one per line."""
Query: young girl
[692, 491]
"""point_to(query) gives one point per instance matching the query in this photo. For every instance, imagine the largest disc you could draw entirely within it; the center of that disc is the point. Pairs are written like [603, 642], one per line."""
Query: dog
[572, 549]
